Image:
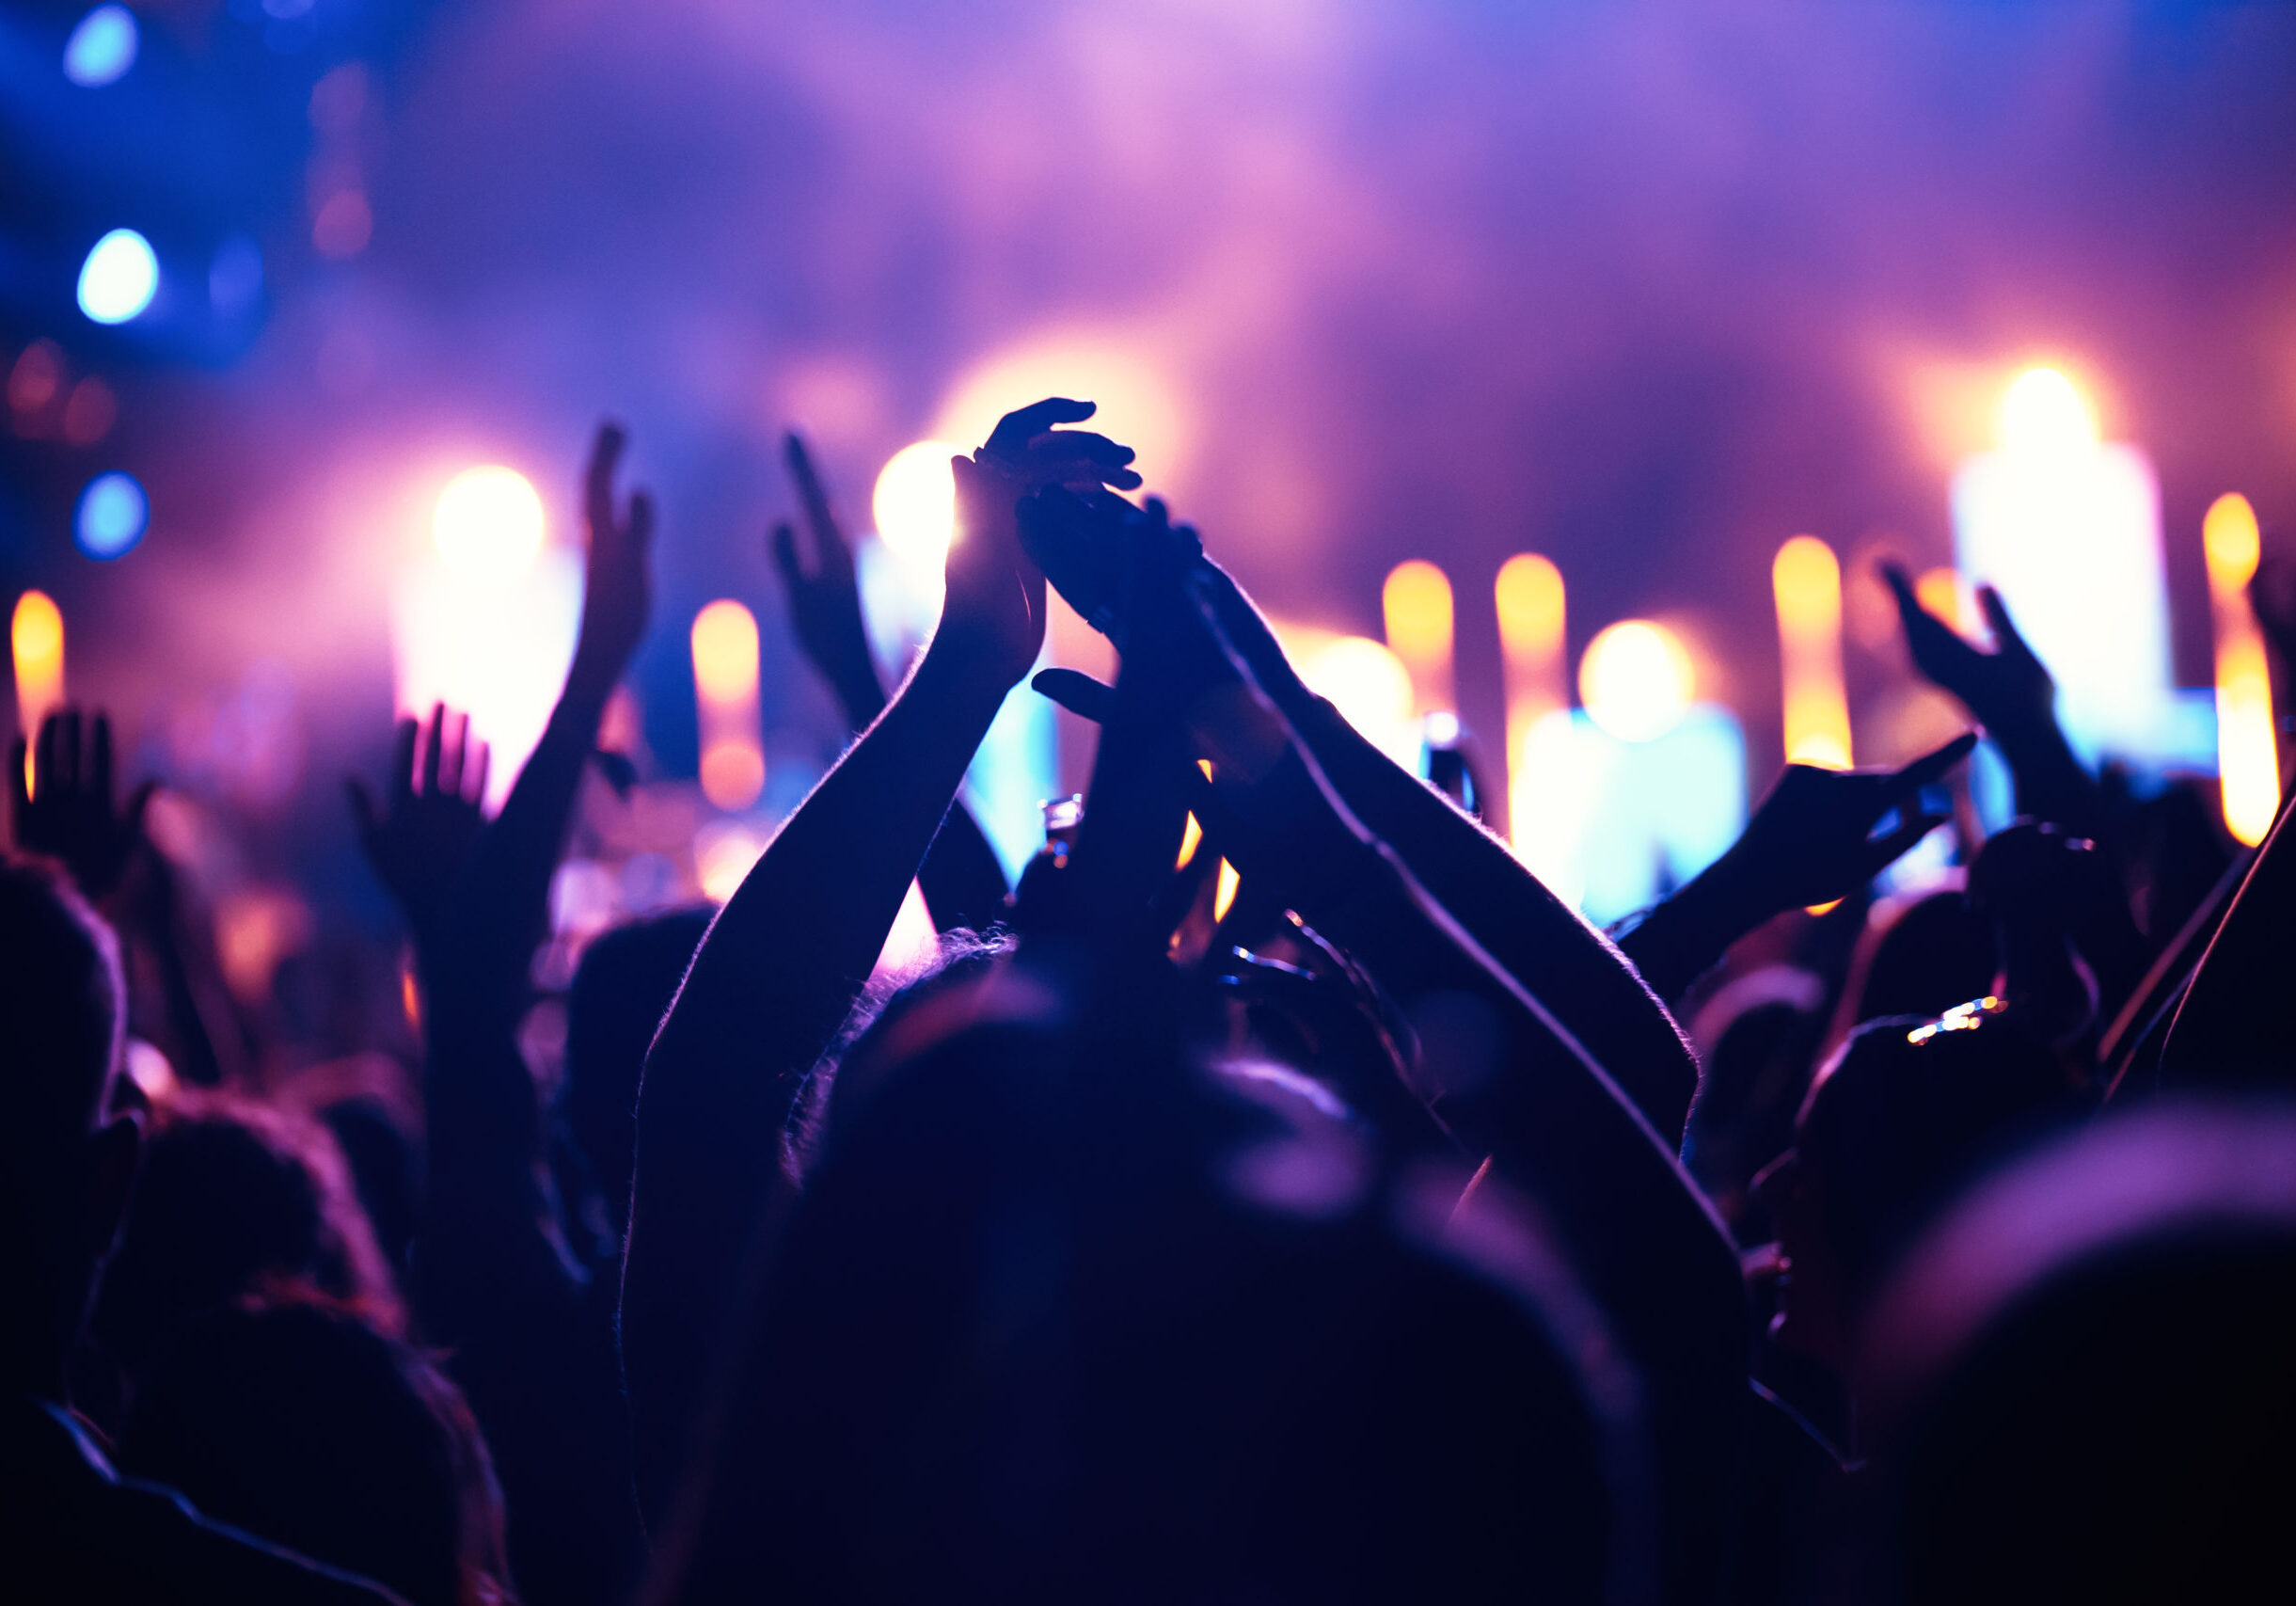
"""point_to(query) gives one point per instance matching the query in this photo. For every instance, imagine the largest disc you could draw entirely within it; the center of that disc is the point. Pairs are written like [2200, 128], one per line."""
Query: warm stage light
[36, 638]
[101, 48]
[119, 278]
[915, 506]
[1370, 687]
[111, 516]
[1415, 605]
[488, 522]
[2044, 411]
[724, 640]
[1636, 680]
[1807, 583]
[2247, 755]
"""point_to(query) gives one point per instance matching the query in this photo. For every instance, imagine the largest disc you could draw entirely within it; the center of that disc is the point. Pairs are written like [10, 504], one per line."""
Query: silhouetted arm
[1818, 837]
[786, 958]
[961, 879]
[2236, 1025]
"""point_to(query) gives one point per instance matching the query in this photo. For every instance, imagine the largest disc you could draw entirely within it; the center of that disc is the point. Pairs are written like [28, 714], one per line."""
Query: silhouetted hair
[620, 992]
[301, 1424]
[1902, 1115]
[235, 1196]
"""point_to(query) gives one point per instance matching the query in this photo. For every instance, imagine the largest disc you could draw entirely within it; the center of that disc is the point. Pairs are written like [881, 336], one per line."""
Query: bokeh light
[119, 278]
[724, 642]
[111, 516]
[2044, 411]
[2247, 749]
[488, 522]
[101, 48]
[1415, 606]
[723, 853]
[915, 505]
[1636, 680]
[1806, 583]
[1370, 687]
[36, 644]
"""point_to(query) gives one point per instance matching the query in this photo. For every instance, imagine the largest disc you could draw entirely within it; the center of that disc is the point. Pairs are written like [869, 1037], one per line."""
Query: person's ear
[111, 1176]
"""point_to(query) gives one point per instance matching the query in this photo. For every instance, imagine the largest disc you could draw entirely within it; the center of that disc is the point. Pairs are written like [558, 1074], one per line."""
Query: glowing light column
[2067, 526]
[1415, 604]
[1807, 582]
[1530, 617]
[725, 690]
[2247, 756]
[35, 638]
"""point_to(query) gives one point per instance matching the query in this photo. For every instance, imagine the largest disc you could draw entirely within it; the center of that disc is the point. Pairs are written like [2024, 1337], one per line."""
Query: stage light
[119, 278]
[723, 855]
[111, 516]
[1529, 597]
[91, 410]
[1636, 680]
[2044, 411]
[724, 640]
[488, 522]
[36, 639]
[1415, 606]
[34, 380]
[915, 506]
[1371, 689]
[1807, 584]
[2067, 528]
[1223, 890]
[2247, 755]
[101, 48]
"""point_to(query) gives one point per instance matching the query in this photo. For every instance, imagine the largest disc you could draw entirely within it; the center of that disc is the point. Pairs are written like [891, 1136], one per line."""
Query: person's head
[65, 1165]
[621, 991]
[1908, 1109]
[1064, 1314]
[1920, 959]
[298, 1423]
[2079, 1382]
[234, 1196]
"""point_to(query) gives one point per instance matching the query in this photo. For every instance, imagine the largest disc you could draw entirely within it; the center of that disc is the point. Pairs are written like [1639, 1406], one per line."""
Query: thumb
[1076, 692]
[2005, 628]
[1881, 854]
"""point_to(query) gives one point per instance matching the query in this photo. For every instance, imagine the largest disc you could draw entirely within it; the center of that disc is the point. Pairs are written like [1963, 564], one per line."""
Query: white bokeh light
[1636, 680]
[488, 521]
[119, 278]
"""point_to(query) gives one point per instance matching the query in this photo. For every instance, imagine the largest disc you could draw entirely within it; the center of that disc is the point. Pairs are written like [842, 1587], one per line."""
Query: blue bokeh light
[112, 515]
[119, 278]
[101, 48]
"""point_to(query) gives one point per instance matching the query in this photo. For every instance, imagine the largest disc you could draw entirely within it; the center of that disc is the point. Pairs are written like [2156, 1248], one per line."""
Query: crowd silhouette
[1379, 1236]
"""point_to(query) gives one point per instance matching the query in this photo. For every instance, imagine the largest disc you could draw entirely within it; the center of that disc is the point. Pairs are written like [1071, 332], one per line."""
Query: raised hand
[993, 613]
[2008, 689]
[419, 838]
[617, 584]
[1818, 835]
[71, 814]
[825, 600]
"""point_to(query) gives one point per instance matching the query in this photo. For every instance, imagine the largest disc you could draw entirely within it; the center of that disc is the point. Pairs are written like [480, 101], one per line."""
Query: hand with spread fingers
[419, 838]
[2008, 689]
[617, 582]
[825, 599]
[1820, 834]
[68, 811]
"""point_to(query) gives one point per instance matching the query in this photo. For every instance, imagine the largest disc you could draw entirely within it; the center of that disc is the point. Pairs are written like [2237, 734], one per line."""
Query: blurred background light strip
[1415, 606]
[35, 640]
[2247, 755]
[1806, 581]
[2067, 526]
[1529, 600]
[726, 688]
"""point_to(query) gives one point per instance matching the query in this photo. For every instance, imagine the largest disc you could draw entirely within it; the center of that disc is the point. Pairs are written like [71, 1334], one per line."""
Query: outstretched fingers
[1016, 430]
[1932, 767]
[1076, 692]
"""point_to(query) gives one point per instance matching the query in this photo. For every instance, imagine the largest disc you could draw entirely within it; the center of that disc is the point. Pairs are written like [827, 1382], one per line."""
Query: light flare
[1806, 581]
[1416, 607]
[724, 640]
[1636, 680]
[2247, 752]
